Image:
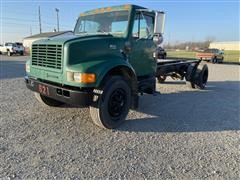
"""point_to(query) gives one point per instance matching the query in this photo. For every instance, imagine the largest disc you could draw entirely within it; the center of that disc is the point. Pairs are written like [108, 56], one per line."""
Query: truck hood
[82, 48]
[67, 38]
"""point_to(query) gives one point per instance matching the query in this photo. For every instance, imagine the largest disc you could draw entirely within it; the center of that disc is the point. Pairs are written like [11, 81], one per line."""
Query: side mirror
[159, 23]
[159, 28]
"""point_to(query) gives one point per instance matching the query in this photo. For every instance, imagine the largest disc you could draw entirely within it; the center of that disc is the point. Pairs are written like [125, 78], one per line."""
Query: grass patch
[229, 56]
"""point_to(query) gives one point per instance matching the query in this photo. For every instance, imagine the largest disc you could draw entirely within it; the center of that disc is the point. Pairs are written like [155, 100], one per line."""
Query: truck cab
[106, 64]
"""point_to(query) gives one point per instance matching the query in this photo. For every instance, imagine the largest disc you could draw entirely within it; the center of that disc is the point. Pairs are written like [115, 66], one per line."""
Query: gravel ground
[179, 134]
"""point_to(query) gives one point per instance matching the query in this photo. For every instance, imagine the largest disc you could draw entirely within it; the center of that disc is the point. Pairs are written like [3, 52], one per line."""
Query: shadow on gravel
[12, 69]
[215, 109]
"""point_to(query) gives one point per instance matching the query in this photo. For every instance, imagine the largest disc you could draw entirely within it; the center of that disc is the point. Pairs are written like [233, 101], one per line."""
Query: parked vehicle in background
[211, 55]
[162, 54]
[12, 48]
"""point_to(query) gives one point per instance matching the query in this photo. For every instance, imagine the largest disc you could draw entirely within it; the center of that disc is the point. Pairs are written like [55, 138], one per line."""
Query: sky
[186, 20]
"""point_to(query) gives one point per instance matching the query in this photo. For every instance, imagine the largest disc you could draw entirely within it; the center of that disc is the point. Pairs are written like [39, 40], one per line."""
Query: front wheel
[111, 103]
[47, 101]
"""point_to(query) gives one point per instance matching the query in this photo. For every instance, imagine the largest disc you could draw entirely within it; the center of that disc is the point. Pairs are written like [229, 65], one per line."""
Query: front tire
[47, 101]
[111, 103]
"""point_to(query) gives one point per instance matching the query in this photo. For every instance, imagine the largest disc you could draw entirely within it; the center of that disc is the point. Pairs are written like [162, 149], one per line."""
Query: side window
[143, 26]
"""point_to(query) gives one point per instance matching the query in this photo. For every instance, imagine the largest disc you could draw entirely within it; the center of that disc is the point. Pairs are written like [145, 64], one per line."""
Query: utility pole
[57, 10]
[39, 18]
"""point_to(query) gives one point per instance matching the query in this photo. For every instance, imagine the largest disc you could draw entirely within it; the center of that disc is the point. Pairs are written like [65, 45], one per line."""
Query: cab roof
[112, 8]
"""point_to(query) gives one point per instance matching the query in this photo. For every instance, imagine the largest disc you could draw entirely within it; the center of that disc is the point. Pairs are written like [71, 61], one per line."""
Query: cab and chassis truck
[107, 64]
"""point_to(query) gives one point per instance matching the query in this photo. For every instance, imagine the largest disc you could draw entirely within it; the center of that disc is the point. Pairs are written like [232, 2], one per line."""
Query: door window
[143, 26]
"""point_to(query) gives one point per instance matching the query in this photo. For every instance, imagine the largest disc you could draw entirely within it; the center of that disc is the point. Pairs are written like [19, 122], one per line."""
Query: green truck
[107, 64]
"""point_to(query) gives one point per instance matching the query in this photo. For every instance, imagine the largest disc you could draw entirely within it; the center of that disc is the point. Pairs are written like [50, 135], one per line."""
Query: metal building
[231, 45]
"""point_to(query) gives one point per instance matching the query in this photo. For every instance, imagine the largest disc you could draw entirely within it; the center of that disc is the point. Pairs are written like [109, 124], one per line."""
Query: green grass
[229, 56]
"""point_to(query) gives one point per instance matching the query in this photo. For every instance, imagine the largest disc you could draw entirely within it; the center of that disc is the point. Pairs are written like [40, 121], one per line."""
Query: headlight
[81, 77]
[27, 68]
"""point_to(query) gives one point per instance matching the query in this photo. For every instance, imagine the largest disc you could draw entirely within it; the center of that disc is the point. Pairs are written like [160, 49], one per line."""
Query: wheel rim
[117, 102]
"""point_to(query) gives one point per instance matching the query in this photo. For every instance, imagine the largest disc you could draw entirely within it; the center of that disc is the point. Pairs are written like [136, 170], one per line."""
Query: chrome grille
[47, 55]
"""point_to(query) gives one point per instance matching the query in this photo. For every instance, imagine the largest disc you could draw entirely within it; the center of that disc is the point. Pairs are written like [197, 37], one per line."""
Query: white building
[27, 41]
[231, 45]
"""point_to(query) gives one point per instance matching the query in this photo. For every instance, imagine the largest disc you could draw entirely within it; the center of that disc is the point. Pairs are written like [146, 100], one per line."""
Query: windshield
[114, 23]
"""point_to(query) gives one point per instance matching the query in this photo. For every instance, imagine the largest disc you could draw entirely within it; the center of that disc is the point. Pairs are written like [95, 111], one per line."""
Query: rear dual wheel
[197, 76]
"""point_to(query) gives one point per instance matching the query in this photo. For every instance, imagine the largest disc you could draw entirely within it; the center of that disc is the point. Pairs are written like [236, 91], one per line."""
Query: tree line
[189, 45]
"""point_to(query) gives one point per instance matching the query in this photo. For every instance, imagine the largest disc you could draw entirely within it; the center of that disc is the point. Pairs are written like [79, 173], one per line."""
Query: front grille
[47, 55]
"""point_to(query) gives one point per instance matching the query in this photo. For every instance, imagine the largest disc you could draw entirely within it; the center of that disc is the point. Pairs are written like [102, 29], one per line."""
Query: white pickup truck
[12, 48]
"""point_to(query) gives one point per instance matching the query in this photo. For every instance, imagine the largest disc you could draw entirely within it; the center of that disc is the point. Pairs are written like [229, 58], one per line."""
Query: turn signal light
[84, 77]
[81, 77]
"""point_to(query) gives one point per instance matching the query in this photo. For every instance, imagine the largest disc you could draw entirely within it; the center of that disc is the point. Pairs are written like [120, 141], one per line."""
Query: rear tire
[47, 101]
[112, 103]
[189, 76]
[201, 76]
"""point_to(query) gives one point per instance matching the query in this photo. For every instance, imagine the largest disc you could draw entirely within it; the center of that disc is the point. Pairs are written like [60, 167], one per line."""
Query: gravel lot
[178, 134]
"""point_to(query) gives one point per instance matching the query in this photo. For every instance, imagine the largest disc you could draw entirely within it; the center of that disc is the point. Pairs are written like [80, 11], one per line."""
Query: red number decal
[43, 89]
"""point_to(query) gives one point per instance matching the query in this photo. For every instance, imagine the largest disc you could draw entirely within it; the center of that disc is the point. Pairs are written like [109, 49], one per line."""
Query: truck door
[143, 47]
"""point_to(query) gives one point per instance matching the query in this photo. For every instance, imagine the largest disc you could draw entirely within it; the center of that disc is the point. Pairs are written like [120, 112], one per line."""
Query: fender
[99, 67]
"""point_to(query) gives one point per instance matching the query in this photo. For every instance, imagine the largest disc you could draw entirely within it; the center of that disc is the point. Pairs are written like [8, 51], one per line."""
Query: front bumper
[66, 95]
